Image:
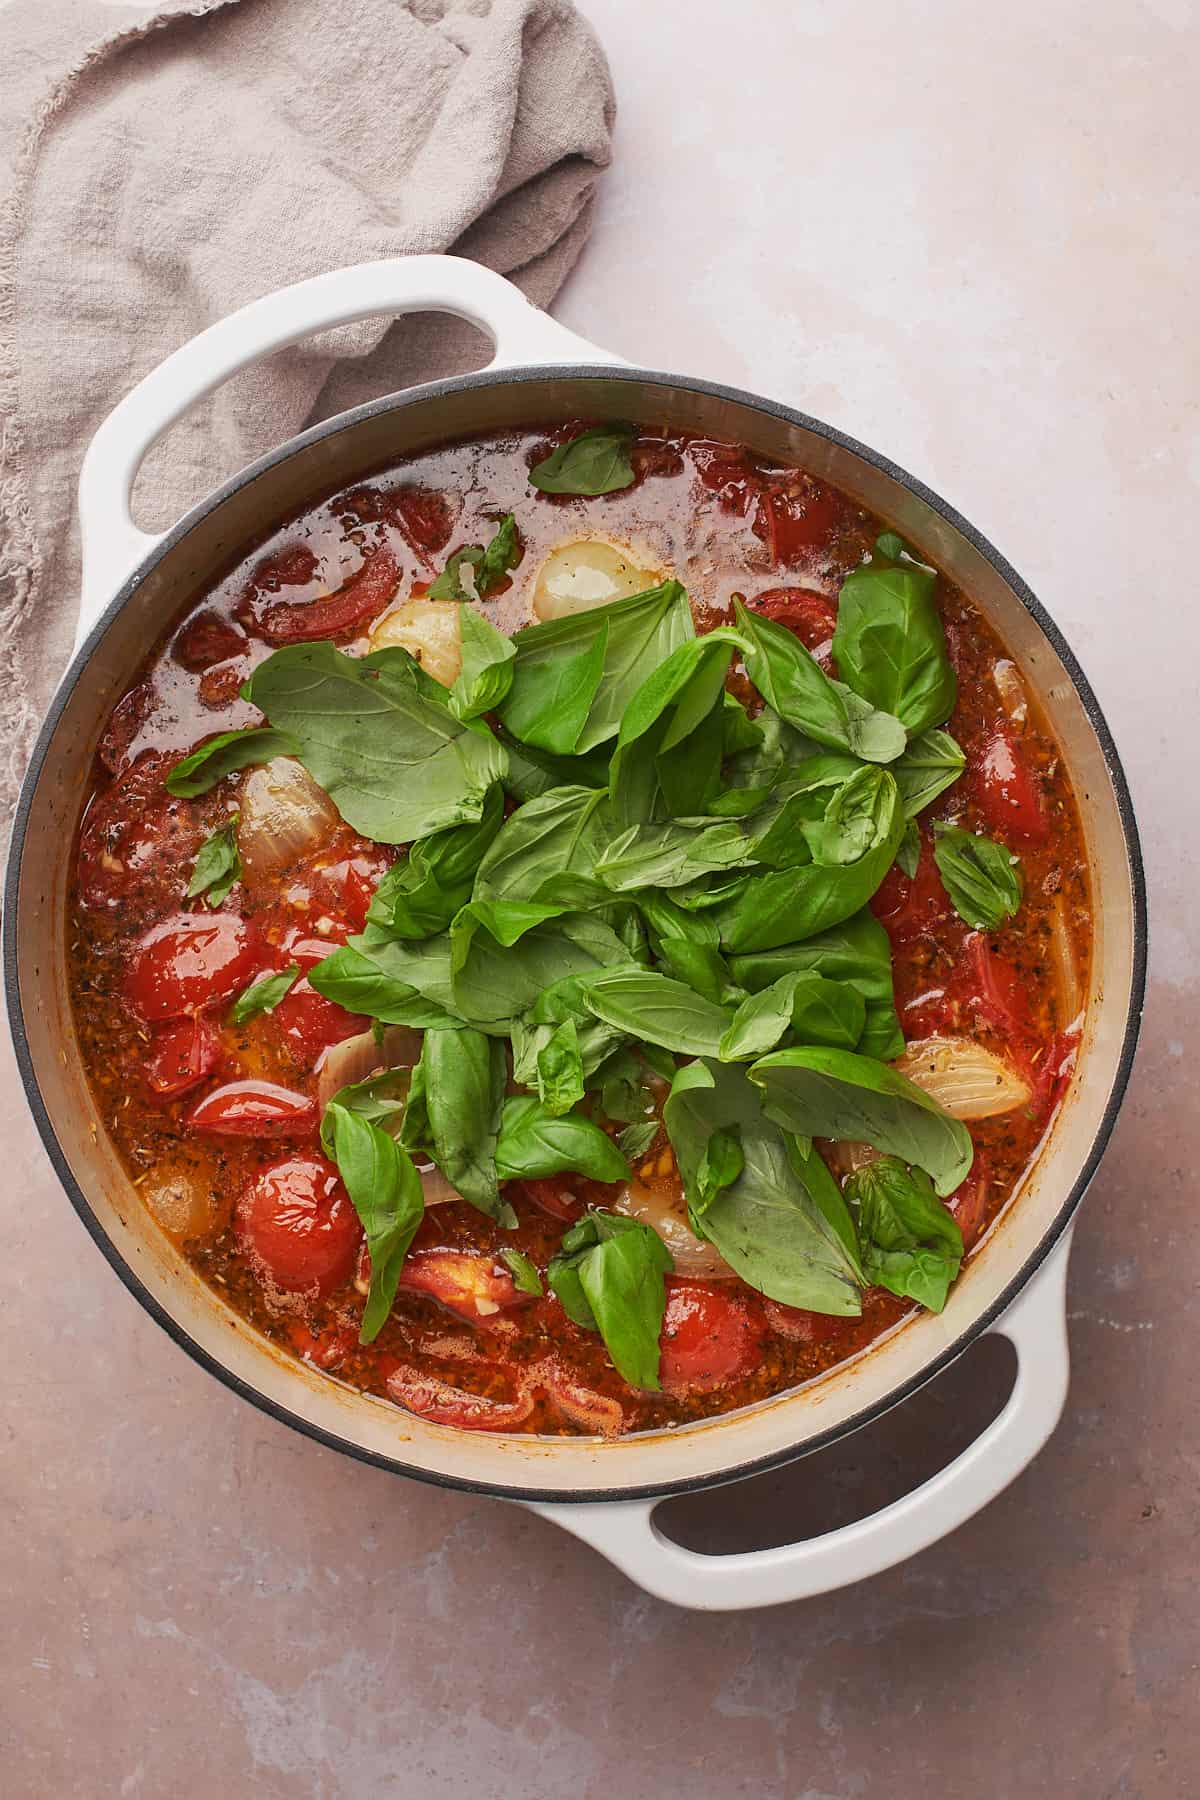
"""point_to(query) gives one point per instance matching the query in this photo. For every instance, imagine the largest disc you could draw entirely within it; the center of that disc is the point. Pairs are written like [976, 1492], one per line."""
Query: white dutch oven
[604, 1492]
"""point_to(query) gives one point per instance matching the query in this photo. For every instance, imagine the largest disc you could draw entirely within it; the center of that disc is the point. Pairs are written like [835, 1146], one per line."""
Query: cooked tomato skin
[1007, 790]
[359, 601]
[473, 1286]
[207, 639]
[182, 1055]
[912, 907]
[809, 615]
[136, 838]
[555, 1196]
[298, 1226]
[309, 1023]
[711, 1335]
[254, 1109]
[189, 961]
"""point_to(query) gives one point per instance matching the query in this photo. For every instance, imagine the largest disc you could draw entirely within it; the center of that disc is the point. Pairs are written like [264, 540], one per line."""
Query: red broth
[253, 1204]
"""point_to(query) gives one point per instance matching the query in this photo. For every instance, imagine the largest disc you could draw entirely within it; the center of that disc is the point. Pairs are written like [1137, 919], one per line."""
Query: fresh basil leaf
[396, 765]
[817, 1011]
[561, 833]
[660, 1011]
[982, 878]
[838, 1094]
[535, 1142]
[395, 983]
[560, 1069]
[932, 763]
[781, 1223]
[623, 1093]
[419, 895]
[780, 747]
[857, 815]
[909, 853]
[494, 984]
[671, 739]
[890, 646]
[794, 685]
[911, 1242]
[609, 1277]
[526, 1279]
[489, 566]
[672, 854]
[224, 755]
[218, 865]
[856, 951]
[463, 1075]
[786, 905]
[381, 1098]
[741, 732]
[263, 995]
[533, 772]
[450, 585]
[487, 665]
[721, 1162]
[594, 462]
[889, 546]
[702, 968]
[667, 919]
[637, 1138]
[386, 1193]
[574, 677]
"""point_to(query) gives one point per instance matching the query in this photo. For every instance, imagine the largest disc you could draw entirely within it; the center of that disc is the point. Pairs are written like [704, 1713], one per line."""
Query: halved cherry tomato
[357, 602]
[308, 1023]
[127, 720]
[325, 1349]
[189, 961]
[425, 518]
[555, 1196]
[710, 1336]
[182, 1055]
[1007, 790]
[729, 474]
[298, 1227]
[439, 1401]
[795, 520]
[990, 984]
[467, 1283]
[136, 837]
[810, 616]
[912, 907]
[580, 1405]
[254, 1109]
[207, 639]
[968, 1202]
[802, 1327]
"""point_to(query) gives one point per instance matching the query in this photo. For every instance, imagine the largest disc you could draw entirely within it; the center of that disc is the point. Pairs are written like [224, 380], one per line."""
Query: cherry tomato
[356, 603]
[327, 1348]
[555, 1196]
[580, 1405]
[1008, 792]
[182, 1055]
[308, 1023]
[207, 639]
[470, 1284]
[729, 474]
[710, 1335]
[912, 907]
[797, 520]
[298, 1227]
[968, 1202]
[254, 1109]
[439, 1401]
[135, 838]
[993, 987]
[127, 720]
[189, 961]
[425, 518]
[810, 616]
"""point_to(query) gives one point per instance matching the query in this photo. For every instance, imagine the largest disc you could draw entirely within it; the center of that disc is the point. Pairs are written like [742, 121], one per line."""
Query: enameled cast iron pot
[133, 587]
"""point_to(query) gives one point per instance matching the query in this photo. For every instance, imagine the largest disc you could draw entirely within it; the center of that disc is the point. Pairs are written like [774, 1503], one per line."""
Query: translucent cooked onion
[665, 1211]
[589, 572]
[1011, 690]
[1069, 996]
[846, 1156]
[186, 1206]
[356, 1058]
[964, 1078]
[428, 630]
[284, 816]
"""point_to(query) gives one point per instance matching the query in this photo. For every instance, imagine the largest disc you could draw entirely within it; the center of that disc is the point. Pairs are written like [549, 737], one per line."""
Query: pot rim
[533, 373]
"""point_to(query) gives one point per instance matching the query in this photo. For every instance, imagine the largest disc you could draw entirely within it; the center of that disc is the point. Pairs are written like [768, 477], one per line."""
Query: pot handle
[624, 1531]
[113, 545]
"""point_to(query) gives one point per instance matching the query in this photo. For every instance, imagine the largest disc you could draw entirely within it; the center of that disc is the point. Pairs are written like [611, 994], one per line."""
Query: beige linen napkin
[179, 160]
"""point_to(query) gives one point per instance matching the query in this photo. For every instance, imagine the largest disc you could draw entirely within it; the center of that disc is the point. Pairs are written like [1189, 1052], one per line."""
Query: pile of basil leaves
[680, 892]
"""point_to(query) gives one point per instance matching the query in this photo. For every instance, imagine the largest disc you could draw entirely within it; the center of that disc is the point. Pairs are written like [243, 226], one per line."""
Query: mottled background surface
[970, 237]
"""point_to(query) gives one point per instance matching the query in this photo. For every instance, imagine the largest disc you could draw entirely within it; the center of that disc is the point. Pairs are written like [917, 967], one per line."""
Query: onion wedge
[968, 1081]
[284, 816]
[666, 1213]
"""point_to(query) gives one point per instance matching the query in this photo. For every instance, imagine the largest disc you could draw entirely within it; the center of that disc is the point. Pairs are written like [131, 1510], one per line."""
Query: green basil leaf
[702, 968]
[450, 585]
[909, 853]
[856, 817]
[794, 685]
[563, 832]
[838, 1094]
[594, 462]
[381, 1098]
[420, 895]
[637, 1138]
[263, 995]
[487, 667]
[781, 1222]
[394, 983]
[890, 546]
[671, 739]
[721, 1162]
[856, 951]
[817, 1011]
[780, 747]
[463, 1075]
[218, 865]
[386, 1193]
[660, 1011]
[575, 677]
[609, 1278]
[396, 765]
[673, 854]
[533, 772]
[560, 1069]
[932, 763]
[535, 1142]
[890, 646]
[982, 878]
[224, 755]
[494, 983]
[488, 566]
[911, 1242]
[786, 905]
[667, 919]
[741, 732]
[526, 1279]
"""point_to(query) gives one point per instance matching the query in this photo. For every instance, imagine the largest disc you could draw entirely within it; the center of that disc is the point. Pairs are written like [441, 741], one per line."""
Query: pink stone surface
[968, 236]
